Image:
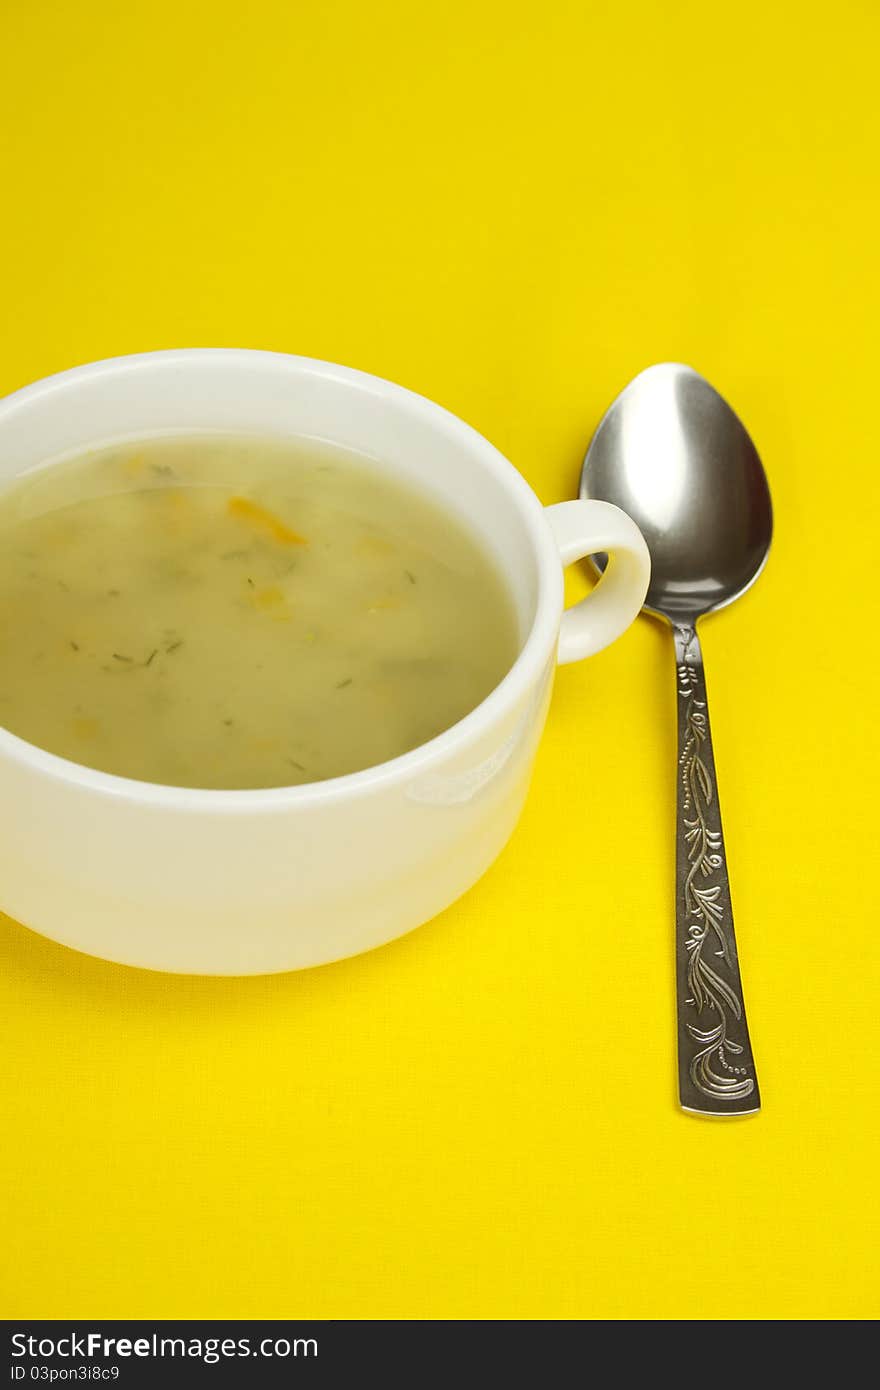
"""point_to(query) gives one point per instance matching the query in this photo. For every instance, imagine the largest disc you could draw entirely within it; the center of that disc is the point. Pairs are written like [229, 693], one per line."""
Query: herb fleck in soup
[210, 611]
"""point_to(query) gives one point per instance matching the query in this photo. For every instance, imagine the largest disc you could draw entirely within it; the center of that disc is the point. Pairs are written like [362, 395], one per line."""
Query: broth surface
[215, 611]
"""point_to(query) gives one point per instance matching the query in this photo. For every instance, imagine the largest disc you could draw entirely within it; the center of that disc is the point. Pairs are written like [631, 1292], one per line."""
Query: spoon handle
[716, 1070]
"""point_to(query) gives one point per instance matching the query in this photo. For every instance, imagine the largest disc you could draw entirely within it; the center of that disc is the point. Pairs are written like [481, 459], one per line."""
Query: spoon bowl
[672, 453]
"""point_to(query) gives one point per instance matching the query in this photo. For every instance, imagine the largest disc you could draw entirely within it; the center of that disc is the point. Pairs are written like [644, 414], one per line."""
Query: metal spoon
[671, 453]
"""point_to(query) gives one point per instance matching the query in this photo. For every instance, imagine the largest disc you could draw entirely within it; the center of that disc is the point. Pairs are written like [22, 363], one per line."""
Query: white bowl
[247, 882]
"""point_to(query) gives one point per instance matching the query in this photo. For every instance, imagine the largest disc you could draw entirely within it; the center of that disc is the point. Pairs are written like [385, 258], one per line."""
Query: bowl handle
[591, 528]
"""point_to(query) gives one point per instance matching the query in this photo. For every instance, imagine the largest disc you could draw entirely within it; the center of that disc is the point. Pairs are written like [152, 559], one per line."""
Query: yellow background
[510, 208]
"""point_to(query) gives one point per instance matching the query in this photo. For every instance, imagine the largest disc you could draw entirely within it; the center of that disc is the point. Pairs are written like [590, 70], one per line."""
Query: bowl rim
[525, 671]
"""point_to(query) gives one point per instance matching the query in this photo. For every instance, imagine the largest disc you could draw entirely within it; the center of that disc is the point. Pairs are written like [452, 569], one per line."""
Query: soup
[215, 611]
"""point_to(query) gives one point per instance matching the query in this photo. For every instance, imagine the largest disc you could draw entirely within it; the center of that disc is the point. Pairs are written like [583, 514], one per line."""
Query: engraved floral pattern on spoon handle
[715, 1064]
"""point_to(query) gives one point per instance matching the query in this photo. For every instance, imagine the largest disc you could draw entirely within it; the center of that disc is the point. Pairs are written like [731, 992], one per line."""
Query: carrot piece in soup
[258, 516]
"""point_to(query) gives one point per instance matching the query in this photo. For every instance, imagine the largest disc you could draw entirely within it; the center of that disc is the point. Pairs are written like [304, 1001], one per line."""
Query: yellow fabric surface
[511, 208]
